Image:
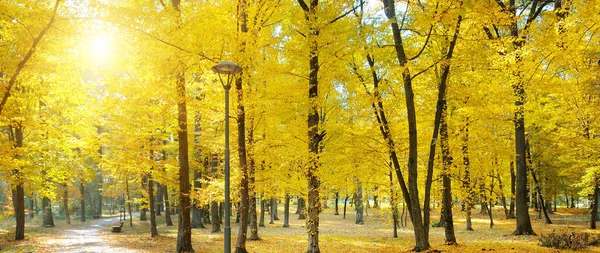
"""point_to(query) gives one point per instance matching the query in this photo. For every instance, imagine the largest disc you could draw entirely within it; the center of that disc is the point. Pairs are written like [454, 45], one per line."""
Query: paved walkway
[87, 238]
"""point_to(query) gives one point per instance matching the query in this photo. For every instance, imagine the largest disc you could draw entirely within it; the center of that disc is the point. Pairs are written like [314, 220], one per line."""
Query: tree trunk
[523, 221]
[298, 206]
[66, 203]
[197, 214]
[82, 192]
[47, 209]
[18, 194]
[393, 204]
[502, 197]
[251, 182]
[272, 207]
[375, 202]
[315, 136]
[19, 207]
[197, 211]
[214, 205]
[467, 177]
[411, 194]
[337, 197]
[489, 213]
[300, 210]
[404, 216]
[436, 129]
[595, 205]
[538, 189]
[286, 211]
[483, 197]
[240, 246]
[359, 205]
[184, 232]
[206, 217]
[513, 185]
[489, 205]
[100, 181]
[153, 231]
[158, 200]
[540, 198]
[89, 211]
[237, 212]
[128, 202]
[345, 203]
[262, 213]
[216, 221]
[31, 206]
[448, 220]
[534, 199]
[144, 203]
[549, 207]
[168, 207]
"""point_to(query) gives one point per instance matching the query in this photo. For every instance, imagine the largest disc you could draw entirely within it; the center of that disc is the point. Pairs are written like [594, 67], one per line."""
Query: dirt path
[89, 237]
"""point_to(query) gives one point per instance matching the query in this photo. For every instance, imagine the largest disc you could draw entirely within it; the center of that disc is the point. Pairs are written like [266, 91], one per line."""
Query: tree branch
[501, 4]
[163, 41]
[21, 64]
[534, 13]
[299, 32]
[488, 33]
[303, 5]
[424, 44]
[346, 13]
[431, 66]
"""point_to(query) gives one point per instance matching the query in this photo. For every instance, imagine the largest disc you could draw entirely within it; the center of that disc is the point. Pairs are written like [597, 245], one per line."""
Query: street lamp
[229, 69]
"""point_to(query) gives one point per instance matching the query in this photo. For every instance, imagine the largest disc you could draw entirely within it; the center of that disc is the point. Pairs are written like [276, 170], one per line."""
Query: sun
[100, 48]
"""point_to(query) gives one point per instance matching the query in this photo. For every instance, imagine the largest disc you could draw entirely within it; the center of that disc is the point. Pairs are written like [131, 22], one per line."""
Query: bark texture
[47, 209]
[240, 246]
[469, 200]
[448, 220]
[82, 192]
[184, 232]
[66, 204]
[595, 206]
[315, 136]
[153, 230]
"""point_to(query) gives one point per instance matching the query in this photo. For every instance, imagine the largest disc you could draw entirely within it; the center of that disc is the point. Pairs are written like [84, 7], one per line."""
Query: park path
[88, 238]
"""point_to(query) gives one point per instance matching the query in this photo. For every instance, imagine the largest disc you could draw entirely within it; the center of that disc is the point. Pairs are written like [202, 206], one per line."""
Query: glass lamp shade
[226, 67]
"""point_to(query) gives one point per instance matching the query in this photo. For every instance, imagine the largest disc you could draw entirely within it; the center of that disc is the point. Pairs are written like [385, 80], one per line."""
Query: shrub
[436, 224]
[572, 241]
[594, 240]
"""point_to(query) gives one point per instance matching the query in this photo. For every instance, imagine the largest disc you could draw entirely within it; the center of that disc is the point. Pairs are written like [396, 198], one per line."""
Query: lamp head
[226, 67]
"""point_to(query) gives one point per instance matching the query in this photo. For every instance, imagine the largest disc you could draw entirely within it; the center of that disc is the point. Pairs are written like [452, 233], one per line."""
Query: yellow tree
[316, 29]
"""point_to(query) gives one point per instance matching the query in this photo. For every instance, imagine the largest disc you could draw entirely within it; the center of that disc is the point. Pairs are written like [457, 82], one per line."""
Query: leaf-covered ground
[336, 235]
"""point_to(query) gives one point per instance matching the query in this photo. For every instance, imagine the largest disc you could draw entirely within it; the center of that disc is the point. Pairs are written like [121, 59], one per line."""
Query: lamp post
[229, 69]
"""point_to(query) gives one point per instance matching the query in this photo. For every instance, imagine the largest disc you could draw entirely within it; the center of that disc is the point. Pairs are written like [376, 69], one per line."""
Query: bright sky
[99, 48]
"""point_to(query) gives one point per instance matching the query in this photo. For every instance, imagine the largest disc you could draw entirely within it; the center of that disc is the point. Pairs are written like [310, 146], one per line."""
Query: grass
[336, 235]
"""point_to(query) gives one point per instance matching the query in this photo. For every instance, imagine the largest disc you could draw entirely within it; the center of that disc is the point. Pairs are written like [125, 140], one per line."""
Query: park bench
[96, 216]
[117, 229]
